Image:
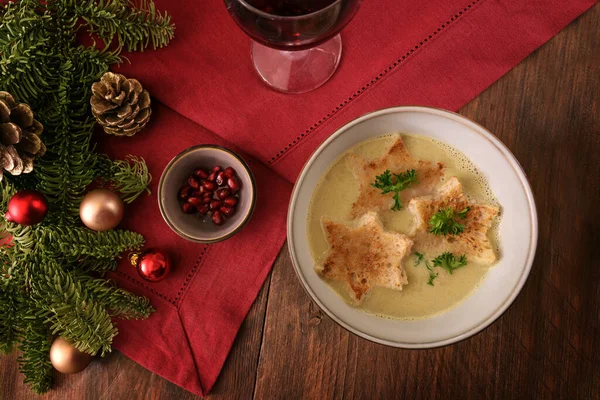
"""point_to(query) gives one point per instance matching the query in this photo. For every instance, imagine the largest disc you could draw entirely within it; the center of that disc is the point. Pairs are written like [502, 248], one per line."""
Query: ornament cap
[133, 258]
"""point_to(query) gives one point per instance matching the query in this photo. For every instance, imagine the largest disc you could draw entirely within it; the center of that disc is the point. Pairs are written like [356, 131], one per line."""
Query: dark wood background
[547, 345]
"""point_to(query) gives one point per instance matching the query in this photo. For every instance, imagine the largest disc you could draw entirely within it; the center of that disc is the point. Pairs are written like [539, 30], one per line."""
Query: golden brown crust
[397, 159]
[473, 242]
[364, 255]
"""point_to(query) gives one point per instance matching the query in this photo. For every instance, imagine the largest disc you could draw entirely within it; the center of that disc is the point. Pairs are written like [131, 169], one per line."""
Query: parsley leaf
[432, 275]
[397, 203]
[449, 262]
[419, 258]
[463, 213]
[385, 182]
[443, 223]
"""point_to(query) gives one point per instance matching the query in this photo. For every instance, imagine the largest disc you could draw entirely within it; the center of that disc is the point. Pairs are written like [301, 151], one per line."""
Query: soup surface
[337, 190]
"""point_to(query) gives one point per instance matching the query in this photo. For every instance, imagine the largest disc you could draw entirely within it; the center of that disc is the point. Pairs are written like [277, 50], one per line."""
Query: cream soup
[337, 190]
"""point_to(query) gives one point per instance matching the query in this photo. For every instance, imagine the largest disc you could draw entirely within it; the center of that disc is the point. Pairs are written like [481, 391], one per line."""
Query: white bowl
[518, 229]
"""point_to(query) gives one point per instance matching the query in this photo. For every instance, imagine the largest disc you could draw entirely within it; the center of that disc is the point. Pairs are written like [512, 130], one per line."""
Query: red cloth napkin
[438, 53]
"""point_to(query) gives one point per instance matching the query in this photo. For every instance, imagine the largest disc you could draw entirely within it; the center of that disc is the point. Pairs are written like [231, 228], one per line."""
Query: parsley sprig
[447, 261]
[385, 182]
[432, 275]
[419, 258]
[443, 223]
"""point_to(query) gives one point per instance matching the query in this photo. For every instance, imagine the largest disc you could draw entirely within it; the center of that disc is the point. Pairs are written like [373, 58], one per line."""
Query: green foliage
[129, 177]
[449, 262]
[446, 261]
[443, 223]
[35, 344]
[133, 28]
[9, 311]
[388, 182]
[50, 274]
[418, 258]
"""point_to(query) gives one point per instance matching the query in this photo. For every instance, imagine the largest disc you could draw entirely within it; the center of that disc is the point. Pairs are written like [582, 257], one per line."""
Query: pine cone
[120, 105]
[20, 139]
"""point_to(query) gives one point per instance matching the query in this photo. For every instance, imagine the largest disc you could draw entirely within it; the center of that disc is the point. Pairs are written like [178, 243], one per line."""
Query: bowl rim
[184, 153]
[504, 150]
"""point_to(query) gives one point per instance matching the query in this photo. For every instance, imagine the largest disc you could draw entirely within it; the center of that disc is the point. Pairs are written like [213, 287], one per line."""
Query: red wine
[302, 23]
[290, 8]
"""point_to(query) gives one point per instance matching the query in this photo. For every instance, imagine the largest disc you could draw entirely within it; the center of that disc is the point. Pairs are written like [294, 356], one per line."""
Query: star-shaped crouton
[364, 255]
[398, 160]
[473, 241]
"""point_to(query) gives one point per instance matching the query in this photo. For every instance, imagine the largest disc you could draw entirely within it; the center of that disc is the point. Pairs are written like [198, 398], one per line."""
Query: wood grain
[546, 346]
[547, 111]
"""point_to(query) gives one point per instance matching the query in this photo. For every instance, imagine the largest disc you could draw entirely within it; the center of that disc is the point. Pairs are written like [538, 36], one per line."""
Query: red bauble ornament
[27, 207]
[153, 264]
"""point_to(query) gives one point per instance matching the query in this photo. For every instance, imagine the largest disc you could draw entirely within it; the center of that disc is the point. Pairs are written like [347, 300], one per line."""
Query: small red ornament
[153, 264]
[27, 207]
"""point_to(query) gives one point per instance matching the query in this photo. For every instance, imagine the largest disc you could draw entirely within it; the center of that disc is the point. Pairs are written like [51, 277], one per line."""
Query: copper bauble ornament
[153, 265]
[101, 210]
[66, 358]
[27, 207]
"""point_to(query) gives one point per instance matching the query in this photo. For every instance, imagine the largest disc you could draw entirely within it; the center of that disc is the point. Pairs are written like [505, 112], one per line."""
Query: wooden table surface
[547, 345]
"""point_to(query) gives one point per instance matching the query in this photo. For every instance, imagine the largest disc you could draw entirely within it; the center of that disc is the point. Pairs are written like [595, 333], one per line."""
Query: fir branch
[69, 309]
[119, 302]
[9, 312]
[44, 282]
[134, 28]
[24, 45]
[129, 177]
[34, 361]
[75, 243]
[7, 190]
[64, 172]
[97, 265]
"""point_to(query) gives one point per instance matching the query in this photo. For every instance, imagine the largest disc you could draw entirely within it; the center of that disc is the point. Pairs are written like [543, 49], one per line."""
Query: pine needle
[46, 289]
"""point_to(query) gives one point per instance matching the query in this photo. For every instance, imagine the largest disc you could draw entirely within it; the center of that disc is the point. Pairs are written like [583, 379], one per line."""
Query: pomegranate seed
[188, 208]
[223, 193]
[209, 186]
[193, 182]
[184, 192]
[216, 168]
[215, 204]
[206, 200]
[203, 209]
[230, 201]
[212, 177]
[201, 173]
[234, 184]
[227, 211]
[220, 178]
[195, 201]
[229, 172]
[217, 218]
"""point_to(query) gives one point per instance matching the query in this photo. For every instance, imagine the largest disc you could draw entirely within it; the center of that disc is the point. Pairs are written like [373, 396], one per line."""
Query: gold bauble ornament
[66, 358]
[101, 210]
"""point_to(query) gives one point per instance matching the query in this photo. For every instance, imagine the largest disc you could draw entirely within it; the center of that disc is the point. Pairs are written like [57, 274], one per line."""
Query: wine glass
[296, 46]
